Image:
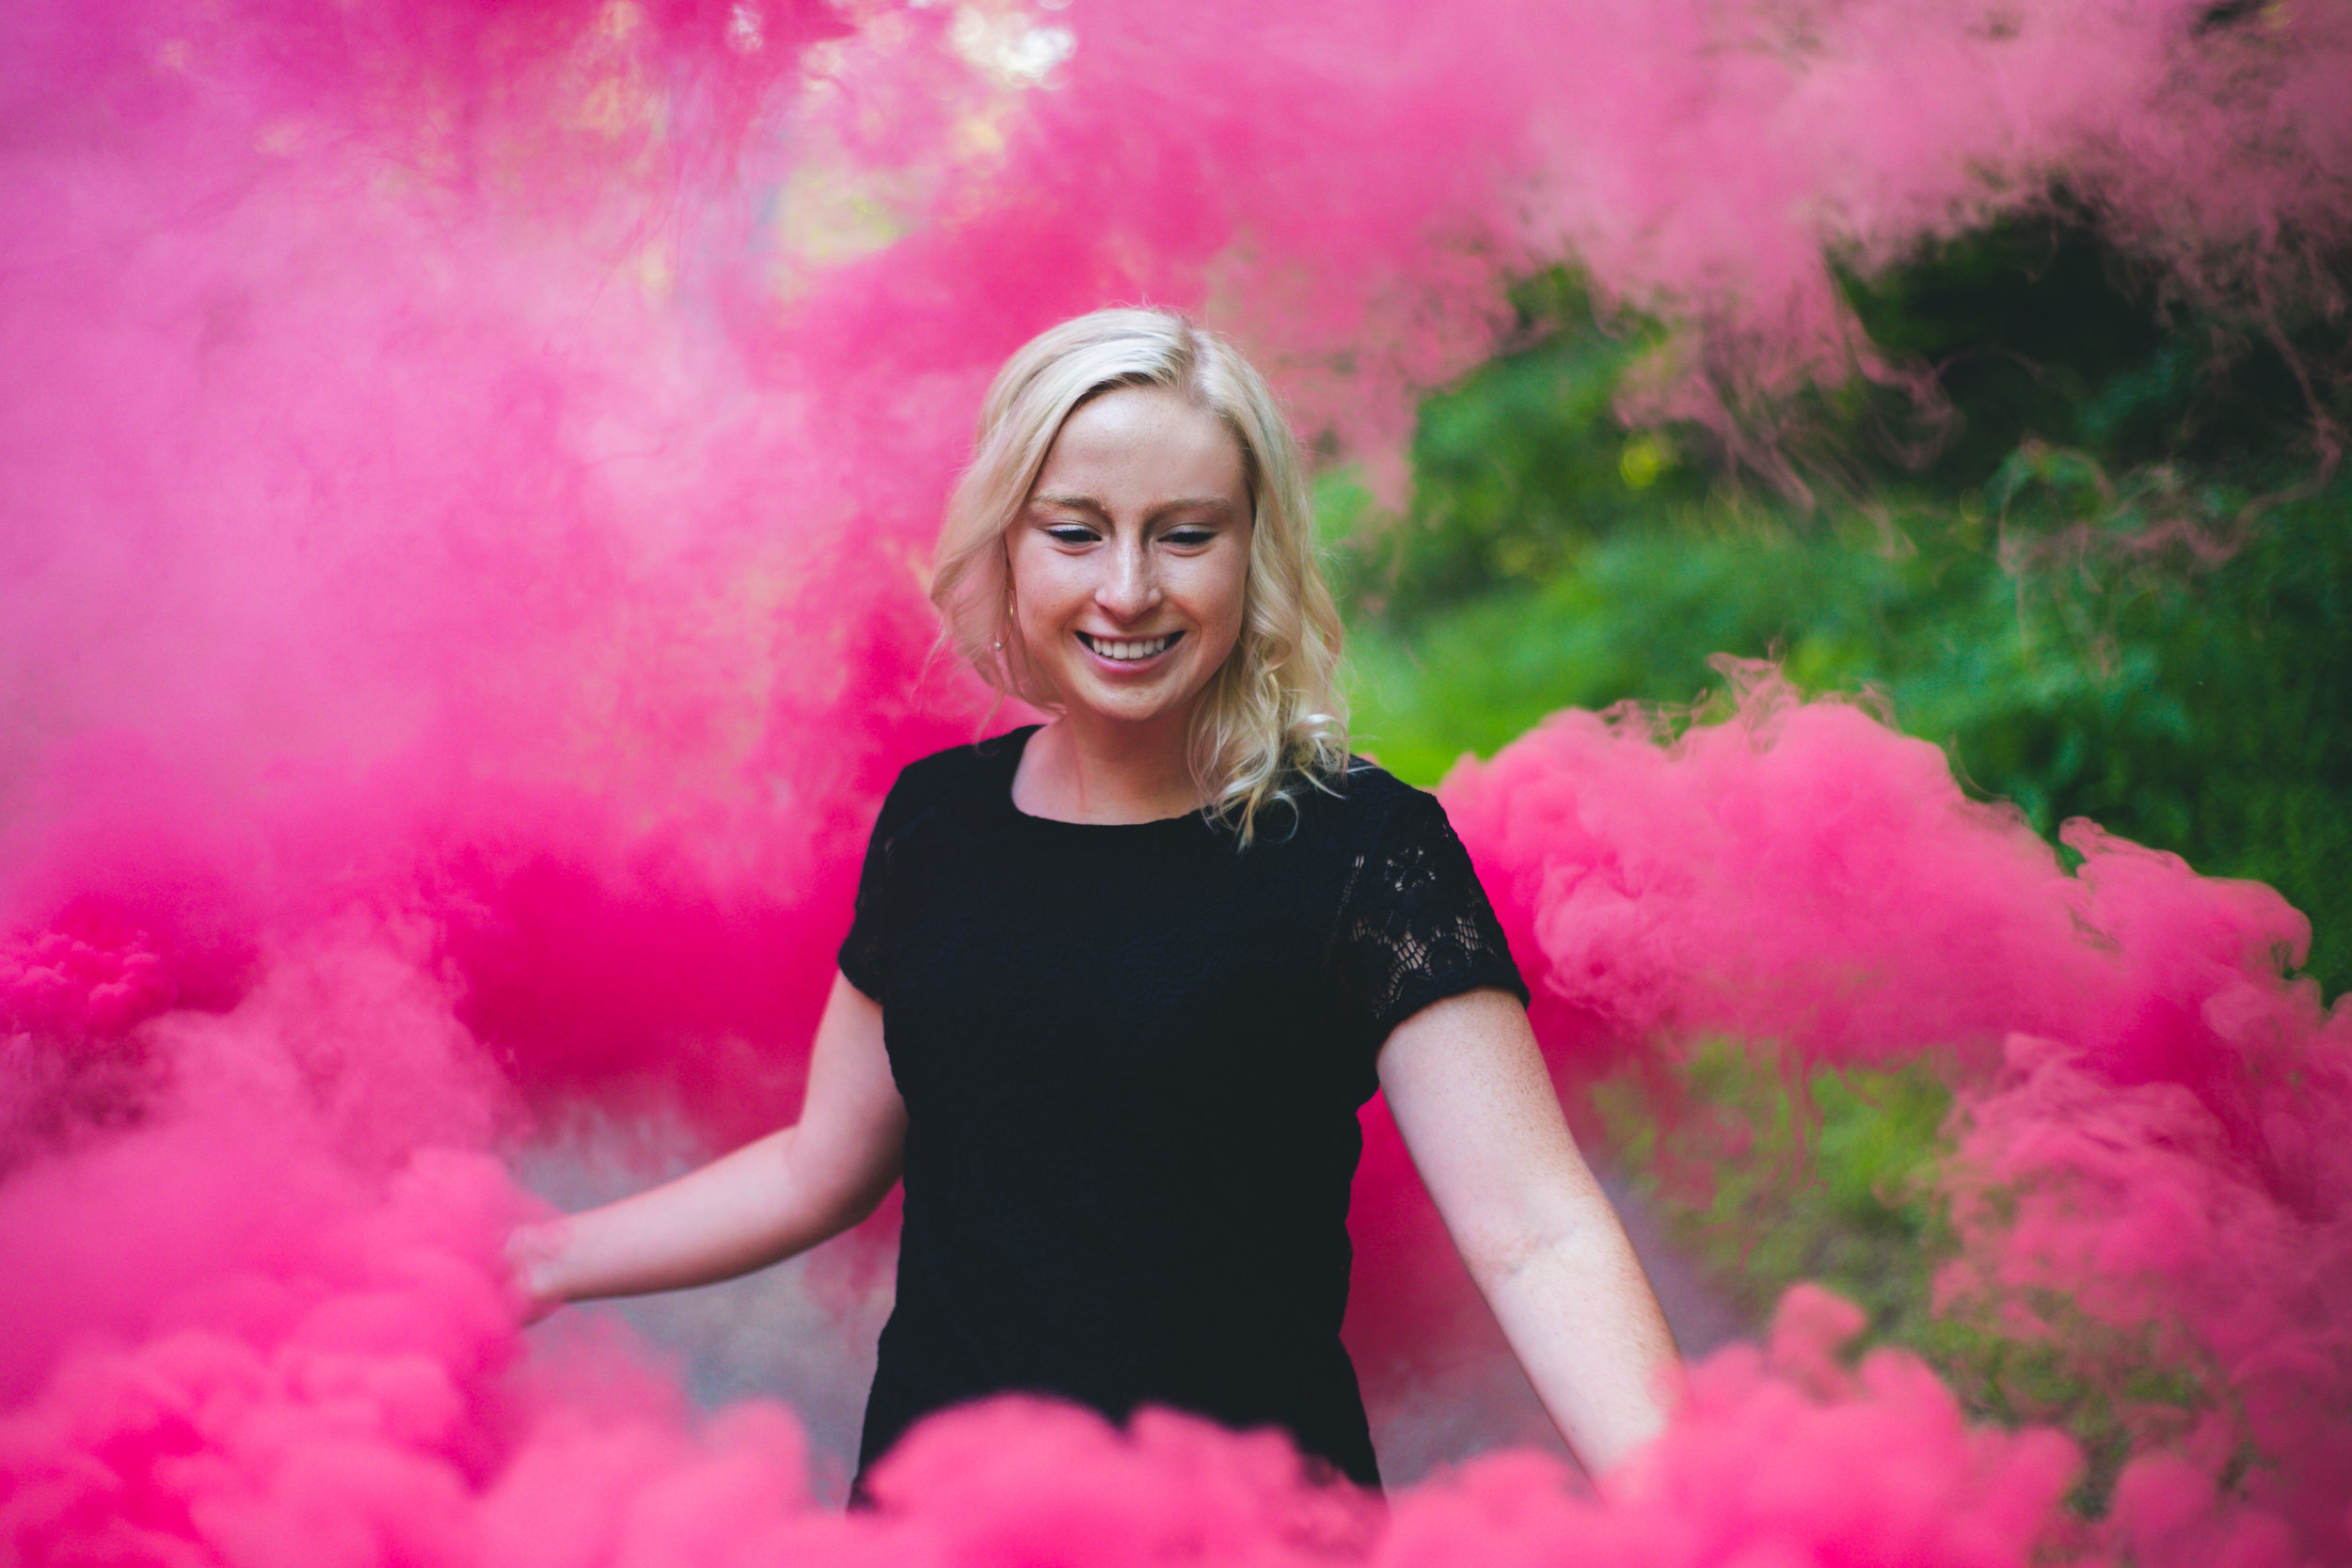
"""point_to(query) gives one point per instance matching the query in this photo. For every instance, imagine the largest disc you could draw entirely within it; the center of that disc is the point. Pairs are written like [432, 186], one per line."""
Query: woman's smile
[1128, 651]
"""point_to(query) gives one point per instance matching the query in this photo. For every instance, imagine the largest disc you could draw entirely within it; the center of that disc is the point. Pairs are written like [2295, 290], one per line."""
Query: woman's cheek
[1232, 604]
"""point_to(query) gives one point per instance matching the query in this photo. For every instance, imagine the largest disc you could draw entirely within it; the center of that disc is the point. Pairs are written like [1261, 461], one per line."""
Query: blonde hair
[1271, 718]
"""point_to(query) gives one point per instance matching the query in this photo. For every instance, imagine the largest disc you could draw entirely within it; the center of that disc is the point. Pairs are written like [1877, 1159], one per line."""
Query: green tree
[2122, 588]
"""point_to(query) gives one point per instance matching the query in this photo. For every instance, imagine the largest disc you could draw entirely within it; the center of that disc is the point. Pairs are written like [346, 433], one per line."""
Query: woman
[1116, 986]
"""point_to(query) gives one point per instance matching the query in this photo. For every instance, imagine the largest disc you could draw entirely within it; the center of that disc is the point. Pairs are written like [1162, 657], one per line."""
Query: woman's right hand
[771, 1198]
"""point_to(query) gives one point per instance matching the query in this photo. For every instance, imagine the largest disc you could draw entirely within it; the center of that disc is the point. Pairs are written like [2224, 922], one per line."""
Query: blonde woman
[1117, 984]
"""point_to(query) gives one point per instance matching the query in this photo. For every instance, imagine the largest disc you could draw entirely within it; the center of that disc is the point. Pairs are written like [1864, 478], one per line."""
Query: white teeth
[1131, 650]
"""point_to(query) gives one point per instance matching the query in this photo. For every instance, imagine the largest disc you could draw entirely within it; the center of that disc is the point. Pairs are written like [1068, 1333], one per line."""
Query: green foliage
[1515, 469]
[1766, 1179]
[1767, 1183]
[2199, 712]
[2119, 594]
[2037, 332]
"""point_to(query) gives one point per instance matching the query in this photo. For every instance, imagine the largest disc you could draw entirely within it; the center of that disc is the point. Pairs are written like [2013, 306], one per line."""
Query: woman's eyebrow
[1070, 503]
[1194, 504]
[1088, 503]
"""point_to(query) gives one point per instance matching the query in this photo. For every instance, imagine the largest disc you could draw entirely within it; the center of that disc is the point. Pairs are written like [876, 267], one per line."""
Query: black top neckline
[1008, 749]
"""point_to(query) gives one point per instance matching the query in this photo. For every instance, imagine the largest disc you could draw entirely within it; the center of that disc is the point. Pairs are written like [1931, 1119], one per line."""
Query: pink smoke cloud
[469, 470]
[2153, 1114]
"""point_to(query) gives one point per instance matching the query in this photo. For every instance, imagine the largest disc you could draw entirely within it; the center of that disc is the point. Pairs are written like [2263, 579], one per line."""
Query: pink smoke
[2156, 1120]
[468, 469]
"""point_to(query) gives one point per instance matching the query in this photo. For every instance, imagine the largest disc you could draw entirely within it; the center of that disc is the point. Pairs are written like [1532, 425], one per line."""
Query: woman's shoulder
[966, 766]
[1373, 785]
[1358, 802]
[973, 775]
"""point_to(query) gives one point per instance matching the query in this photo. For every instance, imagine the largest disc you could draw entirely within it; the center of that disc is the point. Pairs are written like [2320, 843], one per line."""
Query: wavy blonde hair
[1271, 719]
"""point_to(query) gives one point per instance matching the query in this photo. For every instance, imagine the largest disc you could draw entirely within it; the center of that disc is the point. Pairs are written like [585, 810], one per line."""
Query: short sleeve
[1415, 926]
[866, 951]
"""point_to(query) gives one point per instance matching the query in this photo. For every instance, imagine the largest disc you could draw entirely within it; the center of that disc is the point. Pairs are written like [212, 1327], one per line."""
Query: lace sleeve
[1415, 926]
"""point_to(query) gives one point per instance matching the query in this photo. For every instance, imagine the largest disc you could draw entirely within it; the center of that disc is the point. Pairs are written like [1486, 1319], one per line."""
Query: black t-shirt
[1132, 1057]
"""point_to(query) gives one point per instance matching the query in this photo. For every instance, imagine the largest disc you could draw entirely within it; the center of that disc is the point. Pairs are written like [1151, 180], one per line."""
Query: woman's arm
[1471, 1094]
[766, 1201]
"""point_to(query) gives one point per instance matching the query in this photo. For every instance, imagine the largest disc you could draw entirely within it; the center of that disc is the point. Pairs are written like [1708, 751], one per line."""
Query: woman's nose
[1131, 587]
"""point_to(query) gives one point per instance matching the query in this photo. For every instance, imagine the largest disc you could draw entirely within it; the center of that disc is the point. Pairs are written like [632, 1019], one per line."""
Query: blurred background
[2091, 540]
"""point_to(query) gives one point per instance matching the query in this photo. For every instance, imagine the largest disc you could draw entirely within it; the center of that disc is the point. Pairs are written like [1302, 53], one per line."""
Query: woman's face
[1130, 558]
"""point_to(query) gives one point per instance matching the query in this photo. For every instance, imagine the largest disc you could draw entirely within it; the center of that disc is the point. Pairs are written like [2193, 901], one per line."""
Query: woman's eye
[1071, 533]
[1188, 538]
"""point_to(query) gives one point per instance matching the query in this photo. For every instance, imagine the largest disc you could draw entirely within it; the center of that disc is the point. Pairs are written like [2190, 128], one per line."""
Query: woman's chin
[1133, 718]
[1133, 706]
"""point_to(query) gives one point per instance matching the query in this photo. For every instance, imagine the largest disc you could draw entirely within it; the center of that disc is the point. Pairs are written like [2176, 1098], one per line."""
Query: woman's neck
[1076, 772]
